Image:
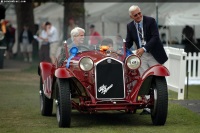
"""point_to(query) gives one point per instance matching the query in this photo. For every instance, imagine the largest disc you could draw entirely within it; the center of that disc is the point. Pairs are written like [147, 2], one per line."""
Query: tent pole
[194, 33]
[102, 21]
[167, 35]
[118, 27]
[103, 28]
[157, 12]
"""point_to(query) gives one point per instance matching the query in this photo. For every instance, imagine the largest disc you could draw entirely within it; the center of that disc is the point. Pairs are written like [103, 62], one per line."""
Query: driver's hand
[139, 52]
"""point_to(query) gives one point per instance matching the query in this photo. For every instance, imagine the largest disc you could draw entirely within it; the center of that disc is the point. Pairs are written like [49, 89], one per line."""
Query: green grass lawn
[193, 93]
[20, 113]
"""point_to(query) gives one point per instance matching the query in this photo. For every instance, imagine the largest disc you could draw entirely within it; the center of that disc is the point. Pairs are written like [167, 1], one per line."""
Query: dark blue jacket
[151, 35]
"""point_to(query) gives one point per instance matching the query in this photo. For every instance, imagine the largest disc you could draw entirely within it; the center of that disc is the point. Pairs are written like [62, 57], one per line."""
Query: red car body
[109, 85]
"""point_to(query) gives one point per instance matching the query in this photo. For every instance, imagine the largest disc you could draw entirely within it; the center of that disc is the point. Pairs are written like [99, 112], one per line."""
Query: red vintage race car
[94, 78]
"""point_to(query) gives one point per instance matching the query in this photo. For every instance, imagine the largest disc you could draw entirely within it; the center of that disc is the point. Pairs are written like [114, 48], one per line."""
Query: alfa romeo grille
[109, 80]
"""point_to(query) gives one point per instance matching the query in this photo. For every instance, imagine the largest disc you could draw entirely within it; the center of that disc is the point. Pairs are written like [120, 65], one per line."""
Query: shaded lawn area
[20, 113]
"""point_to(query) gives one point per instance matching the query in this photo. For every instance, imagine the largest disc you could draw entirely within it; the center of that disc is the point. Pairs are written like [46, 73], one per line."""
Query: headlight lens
[133, 62]
[86, 64]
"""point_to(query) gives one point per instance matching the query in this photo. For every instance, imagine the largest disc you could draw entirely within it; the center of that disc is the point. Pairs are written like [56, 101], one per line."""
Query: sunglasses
[139, 13]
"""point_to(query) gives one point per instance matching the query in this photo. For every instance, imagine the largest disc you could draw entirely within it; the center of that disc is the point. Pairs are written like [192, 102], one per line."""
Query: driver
[77, 36]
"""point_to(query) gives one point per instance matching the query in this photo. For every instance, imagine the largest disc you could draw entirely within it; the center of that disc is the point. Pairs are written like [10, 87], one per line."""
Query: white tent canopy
[52, 12]
[178, 14]
[49, 10]
[168, 13]
[118, 12]
[174, 15]
[112, 18]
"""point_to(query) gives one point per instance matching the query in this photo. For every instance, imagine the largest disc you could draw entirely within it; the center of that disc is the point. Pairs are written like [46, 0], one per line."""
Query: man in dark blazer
[143, 31]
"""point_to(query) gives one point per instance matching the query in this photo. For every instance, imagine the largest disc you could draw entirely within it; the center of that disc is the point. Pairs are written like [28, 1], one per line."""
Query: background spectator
[44, 45]
[11, 43]
[26, 39]
[95, 37]
[188, 39]
[53, 40]
[71, 26]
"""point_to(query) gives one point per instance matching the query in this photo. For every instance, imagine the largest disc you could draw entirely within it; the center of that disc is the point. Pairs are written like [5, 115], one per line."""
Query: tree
[74, 10]
[24, 12]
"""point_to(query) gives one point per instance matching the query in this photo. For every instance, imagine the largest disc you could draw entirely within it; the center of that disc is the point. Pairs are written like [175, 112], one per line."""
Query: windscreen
[102, 43]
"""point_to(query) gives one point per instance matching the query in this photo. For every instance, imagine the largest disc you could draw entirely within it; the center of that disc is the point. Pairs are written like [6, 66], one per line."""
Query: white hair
[133, 8]
[75, 32]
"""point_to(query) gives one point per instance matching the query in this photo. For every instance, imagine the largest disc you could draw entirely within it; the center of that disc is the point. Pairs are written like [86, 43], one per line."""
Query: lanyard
[141, 33]
[143, 42]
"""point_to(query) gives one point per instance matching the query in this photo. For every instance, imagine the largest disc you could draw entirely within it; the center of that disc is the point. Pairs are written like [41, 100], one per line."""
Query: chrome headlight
[86, 64]
[133, 62]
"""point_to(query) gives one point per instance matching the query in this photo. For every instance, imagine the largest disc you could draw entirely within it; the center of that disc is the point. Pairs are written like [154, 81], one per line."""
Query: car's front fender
[157, 70]
[46, 71]
[63, 73]
[144, 83]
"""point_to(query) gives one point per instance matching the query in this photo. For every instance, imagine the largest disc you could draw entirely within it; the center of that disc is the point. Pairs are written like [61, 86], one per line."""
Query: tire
[160, 108]
[46, 104]
[63, 100]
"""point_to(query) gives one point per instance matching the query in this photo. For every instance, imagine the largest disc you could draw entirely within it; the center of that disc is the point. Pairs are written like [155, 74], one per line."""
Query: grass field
[20, 113]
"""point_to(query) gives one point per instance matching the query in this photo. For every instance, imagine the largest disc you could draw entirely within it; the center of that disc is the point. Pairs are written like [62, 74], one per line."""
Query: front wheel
[63, 101]
[160, 108]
